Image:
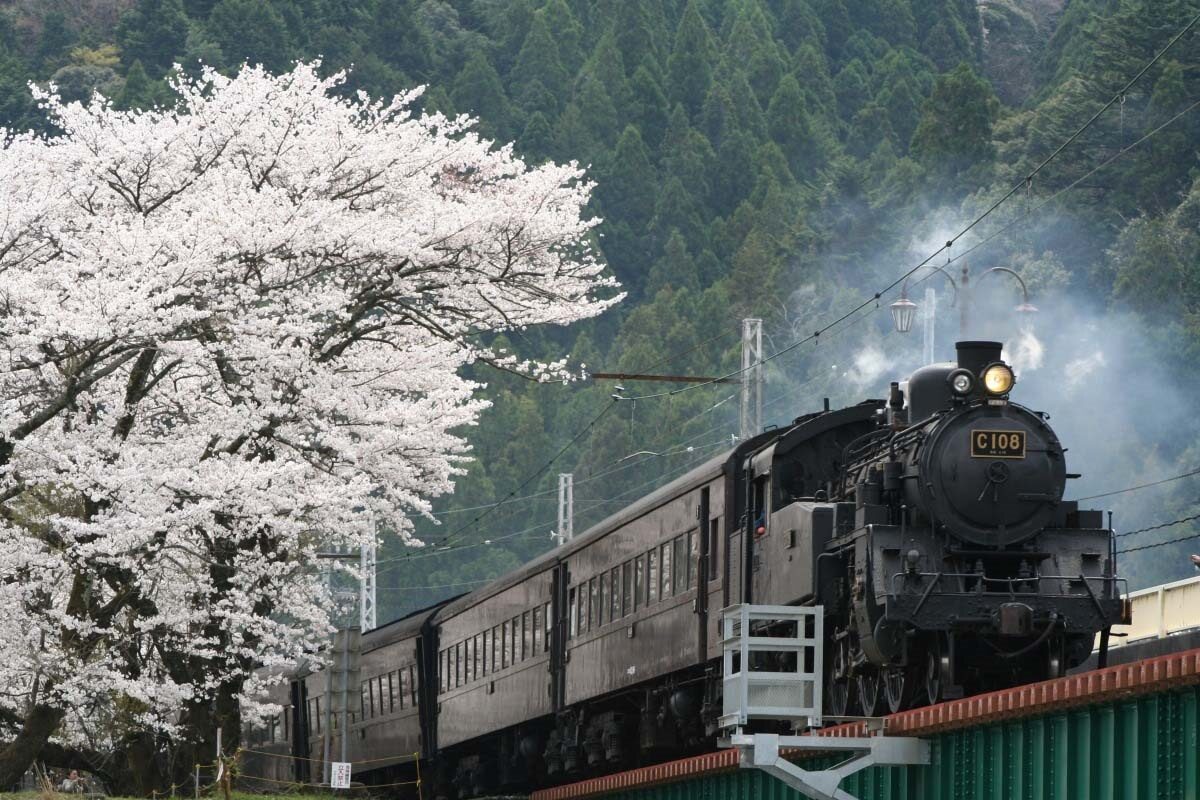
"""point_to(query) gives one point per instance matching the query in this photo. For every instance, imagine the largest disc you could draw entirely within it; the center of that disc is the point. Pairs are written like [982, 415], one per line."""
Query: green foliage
[758, 157]
[153, 32]
[691, 63]
[251, 31]
[954, 135]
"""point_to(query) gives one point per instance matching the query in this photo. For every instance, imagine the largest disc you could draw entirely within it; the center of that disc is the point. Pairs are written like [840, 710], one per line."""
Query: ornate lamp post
[904, 310]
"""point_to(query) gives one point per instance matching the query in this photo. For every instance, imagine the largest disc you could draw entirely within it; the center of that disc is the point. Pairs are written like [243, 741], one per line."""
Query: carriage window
[374, 699]
[693, 560]
[391, 691]
[504, 645]
[287, 712]
[399, 696]
[667, 563]
[485, 655]
[383, 695]
[526, 636]
[652, 577]
[537, 631]
[444, 669]
[497, 647]
[571, 604]
[714, 530]
[460, 662]
[472, 659]
[627, 587]
[514, 640]
[615, 594]
[594, 603]
[639, 587]
[364, 700]
[412, 685]
[602, 597]
[679, 576]
[549, 624]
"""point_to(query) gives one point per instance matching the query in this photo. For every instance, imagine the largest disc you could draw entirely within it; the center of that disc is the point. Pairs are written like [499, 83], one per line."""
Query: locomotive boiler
[931, 526]
[949, 561]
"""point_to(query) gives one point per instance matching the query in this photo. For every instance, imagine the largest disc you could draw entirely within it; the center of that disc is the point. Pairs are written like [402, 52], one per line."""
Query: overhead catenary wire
[1159, 526]
[815, 336]
[1140, 486]
[1025, 181]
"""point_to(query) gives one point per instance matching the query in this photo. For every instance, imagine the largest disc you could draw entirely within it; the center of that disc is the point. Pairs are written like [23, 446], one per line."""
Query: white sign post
[340, 776]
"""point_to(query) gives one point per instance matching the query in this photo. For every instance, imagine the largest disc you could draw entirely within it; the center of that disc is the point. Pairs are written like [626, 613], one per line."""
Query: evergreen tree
[153, 32]
[140, 91]
[752, 47]
[648, 107]
[799, 23]
[567, 33]
[851, 88]
[538, 63]
[478, 91]
[597, 107]
[55, 41]
[606, 65]
[537, 140]
[955, 131]
[398, 39]
[628, 186]
[747, 111]
[638, 36]
[791, 128]
[675, 269]
[250, 31]
[690, 64]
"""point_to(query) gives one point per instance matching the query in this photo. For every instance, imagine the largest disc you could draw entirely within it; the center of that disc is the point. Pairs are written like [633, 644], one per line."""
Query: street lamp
[903, 310]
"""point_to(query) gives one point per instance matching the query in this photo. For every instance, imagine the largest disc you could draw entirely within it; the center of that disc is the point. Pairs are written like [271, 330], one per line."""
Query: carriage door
[558, 636]
[700, 570]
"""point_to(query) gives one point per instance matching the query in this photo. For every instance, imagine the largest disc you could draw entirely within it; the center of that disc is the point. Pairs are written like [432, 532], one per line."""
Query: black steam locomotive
[931, 527]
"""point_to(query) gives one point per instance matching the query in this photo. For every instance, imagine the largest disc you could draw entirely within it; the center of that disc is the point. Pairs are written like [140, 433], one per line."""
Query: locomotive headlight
[998, 379]
[961, 382]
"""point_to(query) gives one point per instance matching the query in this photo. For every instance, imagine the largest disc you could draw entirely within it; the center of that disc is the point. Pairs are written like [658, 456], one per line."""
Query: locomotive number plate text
[997, 444]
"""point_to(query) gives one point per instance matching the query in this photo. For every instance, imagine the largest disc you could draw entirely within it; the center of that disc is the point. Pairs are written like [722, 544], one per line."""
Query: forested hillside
[781, 159]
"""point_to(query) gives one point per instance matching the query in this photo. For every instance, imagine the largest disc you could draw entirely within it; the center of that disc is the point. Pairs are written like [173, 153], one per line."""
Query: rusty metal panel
[1140, 749]
[1130, 732]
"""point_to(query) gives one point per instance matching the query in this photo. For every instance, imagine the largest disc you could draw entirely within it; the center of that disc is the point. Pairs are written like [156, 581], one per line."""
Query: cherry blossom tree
[232, 335]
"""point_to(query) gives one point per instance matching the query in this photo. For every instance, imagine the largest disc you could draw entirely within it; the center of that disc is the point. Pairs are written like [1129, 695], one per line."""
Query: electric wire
[1159, 526]
[1026, 181]
[815, 336]
[1140, 486]
[1176, 540]
[1029, 213]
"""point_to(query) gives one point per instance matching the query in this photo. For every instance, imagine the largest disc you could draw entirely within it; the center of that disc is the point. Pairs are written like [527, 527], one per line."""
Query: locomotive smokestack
[974, 356]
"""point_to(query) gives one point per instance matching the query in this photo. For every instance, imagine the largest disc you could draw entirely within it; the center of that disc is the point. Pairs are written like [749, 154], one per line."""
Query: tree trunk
[19, 754]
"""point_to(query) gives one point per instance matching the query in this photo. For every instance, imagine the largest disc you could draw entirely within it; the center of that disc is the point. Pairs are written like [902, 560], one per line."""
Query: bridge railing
[1160, 611]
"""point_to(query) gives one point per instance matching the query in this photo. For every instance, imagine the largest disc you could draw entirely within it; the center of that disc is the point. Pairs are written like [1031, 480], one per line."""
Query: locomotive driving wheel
[870, 692]
[937, 664]
[837, 687]
[897, 687]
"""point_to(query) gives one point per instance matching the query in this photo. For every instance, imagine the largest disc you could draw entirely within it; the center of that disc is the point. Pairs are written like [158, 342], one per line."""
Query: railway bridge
[1126, 732]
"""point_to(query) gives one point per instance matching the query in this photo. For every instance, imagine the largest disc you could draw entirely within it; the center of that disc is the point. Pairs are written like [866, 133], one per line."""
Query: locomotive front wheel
[870, 692]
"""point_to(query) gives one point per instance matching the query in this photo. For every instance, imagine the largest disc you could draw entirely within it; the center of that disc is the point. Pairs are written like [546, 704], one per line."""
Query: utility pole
[366, 586]
[752, 378]
[566, 507]
[930, 322]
